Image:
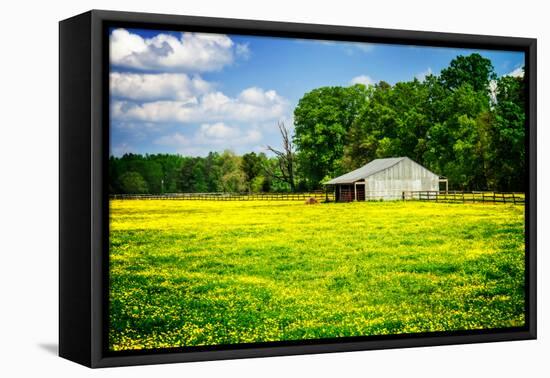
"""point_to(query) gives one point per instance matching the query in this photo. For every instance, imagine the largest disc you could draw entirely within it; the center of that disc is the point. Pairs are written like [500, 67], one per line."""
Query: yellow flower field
[190, 273]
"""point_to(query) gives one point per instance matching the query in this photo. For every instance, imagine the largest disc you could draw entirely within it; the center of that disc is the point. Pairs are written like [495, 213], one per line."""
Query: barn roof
[365, 171]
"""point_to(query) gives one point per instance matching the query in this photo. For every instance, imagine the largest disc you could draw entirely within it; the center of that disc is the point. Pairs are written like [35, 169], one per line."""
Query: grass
[189, 273]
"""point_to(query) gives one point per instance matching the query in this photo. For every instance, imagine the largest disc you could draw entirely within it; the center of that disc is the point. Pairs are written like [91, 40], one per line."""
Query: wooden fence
[320, 196]
[451, 196]
[463, 197]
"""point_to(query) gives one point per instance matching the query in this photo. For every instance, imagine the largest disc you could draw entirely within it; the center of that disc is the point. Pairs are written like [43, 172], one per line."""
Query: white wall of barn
[403, 177]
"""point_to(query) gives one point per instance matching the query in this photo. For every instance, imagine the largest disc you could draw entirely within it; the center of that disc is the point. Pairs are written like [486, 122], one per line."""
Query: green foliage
[160, 172]
[322, 120]
[252, 165]
[188, 273]
[457, 140]
[133, 182]
[446, 123]
[472, 69]
[232, 178]
[393, 122]
[509, 134]
[215, 172]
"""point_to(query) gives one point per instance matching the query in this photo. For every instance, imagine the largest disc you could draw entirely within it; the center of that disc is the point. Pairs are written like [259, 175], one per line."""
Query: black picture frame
[83, 194]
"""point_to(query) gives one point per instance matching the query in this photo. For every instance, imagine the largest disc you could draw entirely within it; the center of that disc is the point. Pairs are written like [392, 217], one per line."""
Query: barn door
[346, 193]
[360, 187]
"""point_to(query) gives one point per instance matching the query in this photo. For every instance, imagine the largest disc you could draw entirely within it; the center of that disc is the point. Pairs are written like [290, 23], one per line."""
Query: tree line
[217, 172]
[465, 124]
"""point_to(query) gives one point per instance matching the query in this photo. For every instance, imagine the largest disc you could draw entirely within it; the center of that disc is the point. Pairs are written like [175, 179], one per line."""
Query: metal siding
[404, 176]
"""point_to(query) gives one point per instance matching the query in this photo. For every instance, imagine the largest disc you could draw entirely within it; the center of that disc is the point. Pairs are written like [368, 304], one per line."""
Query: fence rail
[450, 197]
[472, 197]
[321, 196]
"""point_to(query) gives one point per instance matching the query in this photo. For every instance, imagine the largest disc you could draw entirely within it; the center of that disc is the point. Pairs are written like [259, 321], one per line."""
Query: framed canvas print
[234, 188]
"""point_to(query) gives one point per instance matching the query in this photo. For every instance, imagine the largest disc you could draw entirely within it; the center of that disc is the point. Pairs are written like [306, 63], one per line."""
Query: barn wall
[404, 176]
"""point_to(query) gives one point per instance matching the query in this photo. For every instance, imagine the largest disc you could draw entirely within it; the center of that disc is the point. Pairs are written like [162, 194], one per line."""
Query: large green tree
[252, 166]
[322, 120]
[393, 122]
[473, 69]
[133, 183]
[509, 134]
[457, 137]
[232, 178]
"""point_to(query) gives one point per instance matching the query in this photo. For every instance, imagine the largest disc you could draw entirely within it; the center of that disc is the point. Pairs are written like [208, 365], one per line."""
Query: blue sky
[187, 93]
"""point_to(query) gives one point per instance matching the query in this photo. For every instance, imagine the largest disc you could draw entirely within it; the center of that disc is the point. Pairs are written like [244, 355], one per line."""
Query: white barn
[385, 179]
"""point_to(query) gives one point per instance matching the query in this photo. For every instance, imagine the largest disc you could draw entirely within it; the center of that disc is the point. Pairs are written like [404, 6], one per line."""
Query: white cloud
[493, 86]
[194, 52]
[123, 44]
[134, 125]
[193, 150]
[252, 105]
[349, 47]
[157, 86]
[242, 50]
[218, 131]
[362, 79]
[252, 136]
[518, 72]
[211, 137]
[121, 149]
[422, 75]
[257, 96]
[175, 139]
[365, 47]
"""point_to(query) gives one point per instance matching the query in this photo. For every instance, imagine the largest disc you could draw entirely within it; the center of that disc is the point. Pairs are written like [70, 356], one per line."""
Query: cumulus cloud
[493, 87]
[257, 96]
[163, 86]
[157, 90]
[175, 139]
[121, 149]
[195, 52]
[218, 131]
[210, 137]
[493, 84]
[252, 104]
[518, 72]
[365, 47]
[136, 126]
[422, 75]
[242, 50]
[362, 79]
[348, 47]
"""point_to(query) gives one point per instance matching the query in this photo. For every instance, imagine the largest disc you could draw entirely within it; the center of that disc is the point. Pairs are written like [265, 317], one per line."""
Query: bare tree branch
[285, 157]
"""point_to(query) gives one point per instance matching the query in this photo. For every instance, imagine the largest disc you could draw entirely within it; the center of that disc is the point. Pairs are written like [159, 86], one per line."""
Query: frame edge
[75, 336]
